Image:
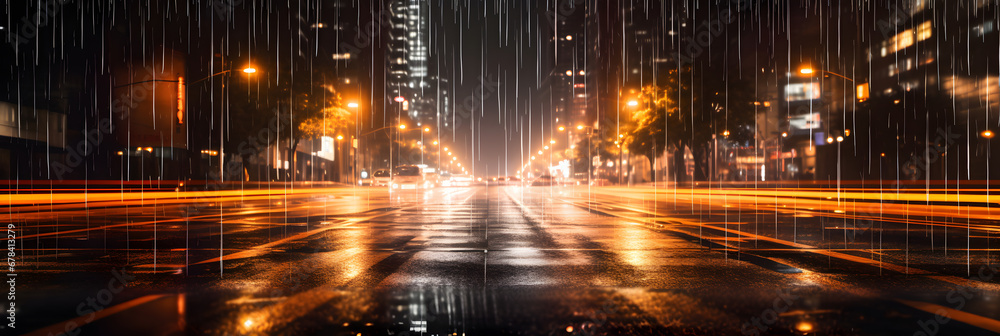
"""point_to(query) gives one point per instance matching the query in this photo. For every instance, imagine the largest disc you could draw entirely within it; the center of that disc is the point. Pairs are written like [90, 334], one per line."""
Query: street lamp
[810, 71]
[389, 136]
[589, 161]
[357, 148]
[222, 130]
[987, 134]
[426, 130]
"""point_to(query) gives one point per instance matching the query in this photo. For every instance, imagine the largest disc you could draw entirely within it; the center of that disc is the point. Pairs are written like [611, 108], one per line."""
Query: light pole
[590, 157]
[388, 136]
[426, 130]
[354, 157]
[222, 129]
[620, 141]
[810, 71]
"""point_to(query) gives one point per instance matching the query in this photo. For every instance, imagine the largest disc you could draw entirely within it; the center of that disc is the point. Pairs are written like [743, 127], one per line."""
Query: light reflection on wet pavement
[495, 261]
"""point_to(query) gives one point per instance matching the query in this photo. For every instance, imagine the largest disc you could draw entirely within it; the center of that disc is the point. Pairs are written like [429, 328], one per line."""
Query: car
[407, 177]
[600, 182]
[431, 180]
[460, 180]
[381, 178]
[543, 181]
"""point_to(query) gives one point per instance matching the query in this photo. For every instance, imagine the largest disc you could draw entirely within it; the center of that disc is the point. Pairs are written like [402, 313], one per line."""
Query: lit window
[802, 91]
[924, 31]
[863, 92]
[983, 29]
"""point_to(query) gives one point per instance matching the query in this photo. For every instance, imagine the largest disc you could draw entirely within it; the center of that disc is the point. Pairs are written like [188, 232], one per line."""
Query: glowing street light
[840, 139]
[352, 105]
[806, 71]
[562, 128]
[250, 70]
[987, 134]
[579, 127]
[340, 137]
[633, 103]
[402, 126]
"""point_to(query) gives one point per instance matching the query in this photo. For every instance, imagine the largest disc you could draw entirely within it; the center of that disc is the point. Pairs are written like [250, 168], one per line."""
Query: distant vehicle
[431, 180]
[505, 180]
[600, 182]
[407, 177]
[459, 180]
[543, 181]
[381, 178]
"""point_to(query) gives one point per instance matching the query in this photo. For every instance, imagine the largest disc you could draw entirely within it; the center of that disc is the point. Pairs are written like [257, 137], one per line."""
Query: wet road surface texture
[499, 260]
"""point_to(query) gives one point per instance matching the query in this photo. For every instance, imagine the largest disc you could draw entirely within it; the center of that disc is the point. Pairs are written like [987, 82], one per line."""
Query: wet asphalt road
[474, 261]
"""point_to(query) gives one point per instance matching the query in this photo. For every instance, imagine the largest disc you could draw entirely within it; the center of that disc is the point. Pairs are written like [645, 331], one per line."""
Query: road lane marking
[974, 320]
[80, 321]
[797, 246]
[266, 248]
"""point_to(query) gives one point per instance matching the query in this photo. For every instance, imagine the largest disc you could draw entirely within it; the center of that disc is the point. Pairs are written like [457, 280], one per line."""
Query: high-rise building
[568, 59]
[397, 55]
[929, 64]
[425, 97]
